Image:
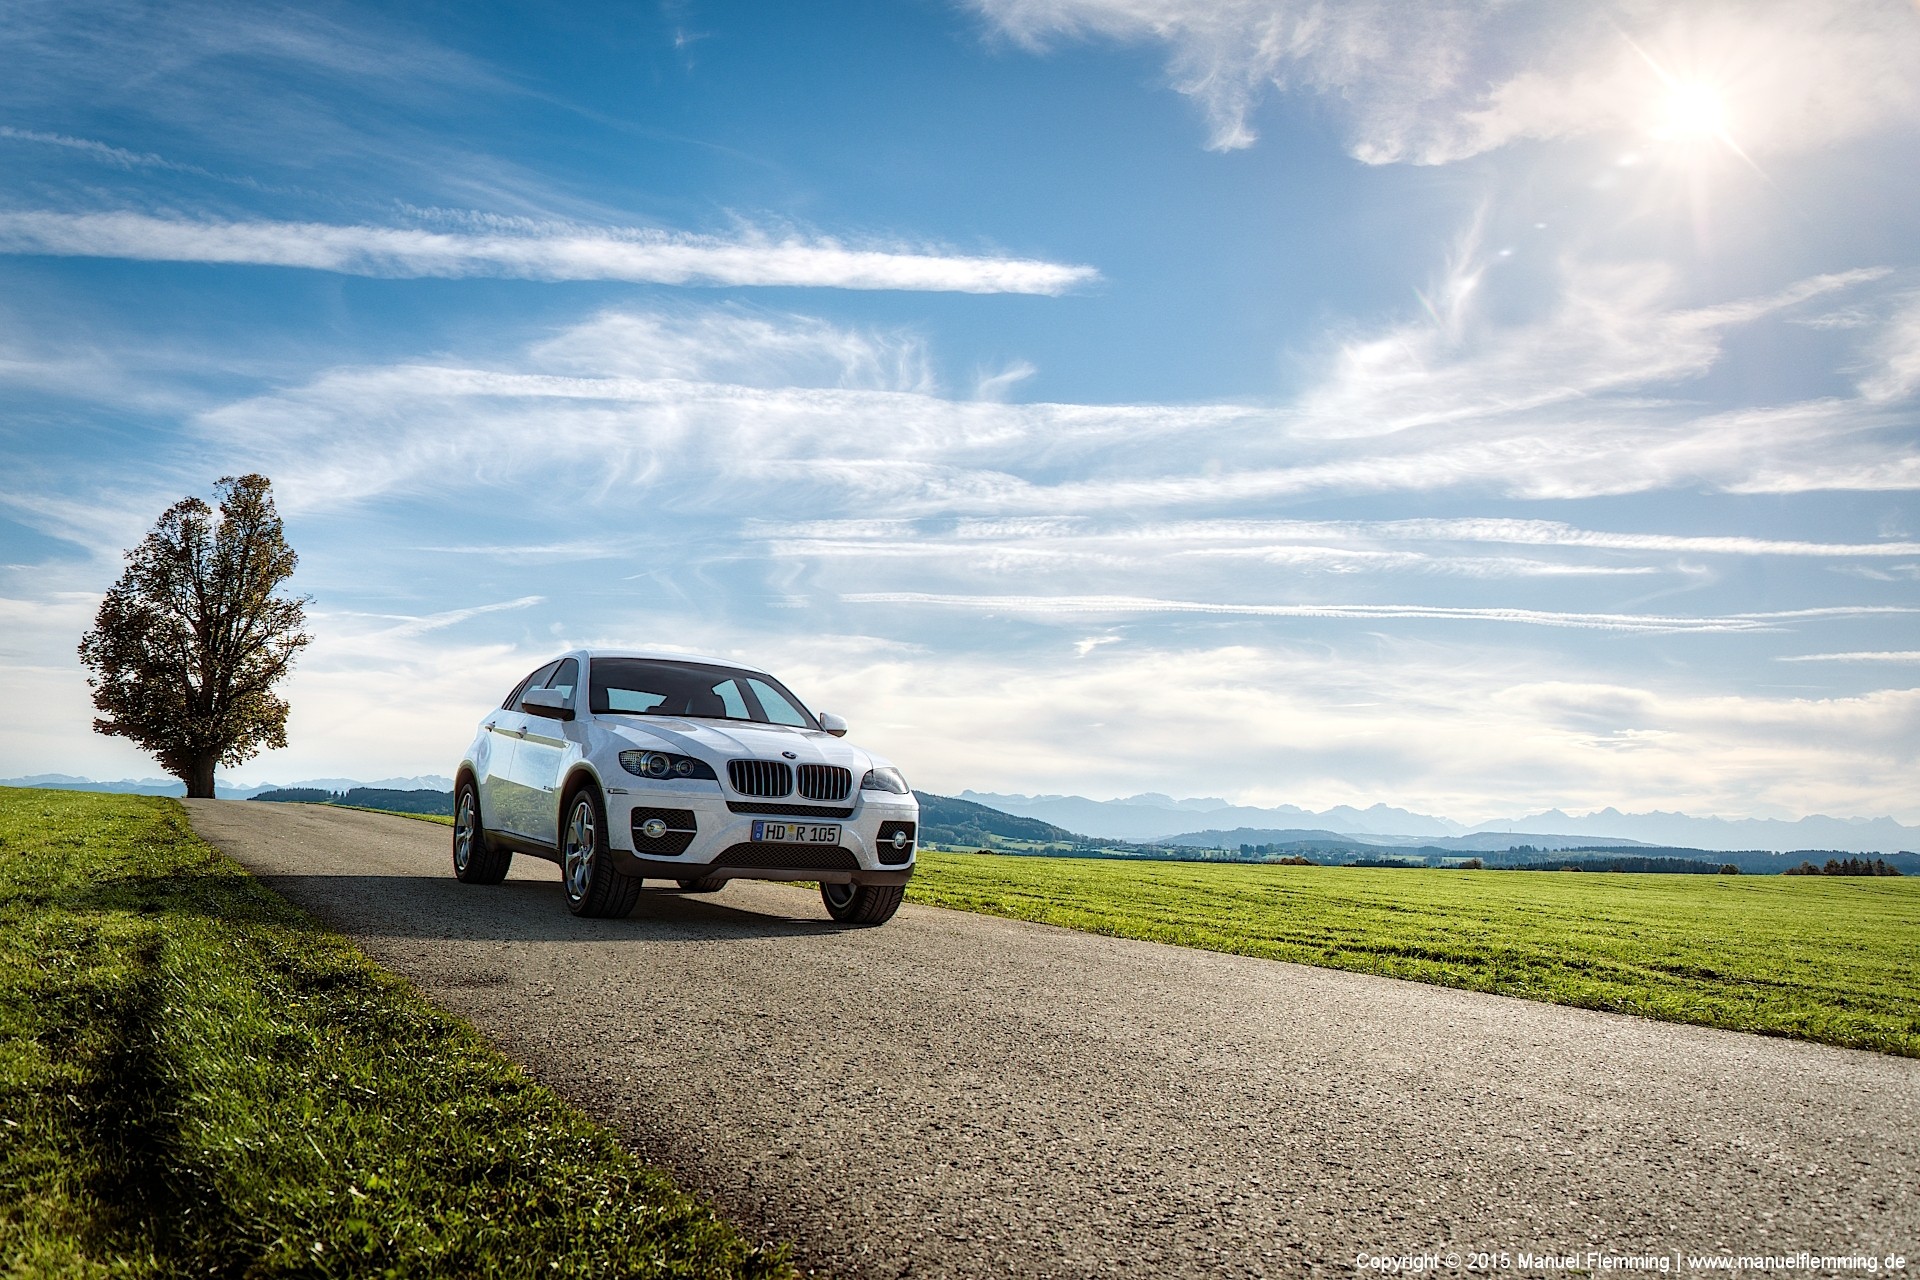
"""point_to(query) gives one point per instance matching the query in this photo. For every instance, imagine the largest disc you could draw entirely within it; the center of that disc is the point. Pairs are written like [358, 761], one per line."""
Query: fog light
[901, 840]
[653, 828]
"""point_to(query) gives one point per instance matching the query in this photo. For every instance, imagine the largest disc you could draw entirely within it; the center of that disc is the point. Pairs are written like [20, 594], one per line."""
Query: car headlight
[662, 766]
[884, 779]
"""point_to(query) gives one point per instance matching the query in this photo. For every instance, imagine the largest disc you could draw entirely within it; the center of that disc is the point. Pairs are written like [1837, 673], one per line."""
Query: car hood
[735, 740]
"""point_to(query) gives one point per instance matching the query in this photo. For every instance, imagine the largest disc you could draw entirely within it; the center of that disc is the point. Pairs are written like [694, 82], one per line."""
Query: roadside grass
[442, 819]
[198, 1079]
[1835, 960]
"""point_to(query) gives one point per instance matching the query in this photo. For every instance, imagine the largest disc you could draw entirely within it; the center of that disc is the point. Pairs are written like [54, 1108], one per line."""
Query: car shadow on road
[522, 911]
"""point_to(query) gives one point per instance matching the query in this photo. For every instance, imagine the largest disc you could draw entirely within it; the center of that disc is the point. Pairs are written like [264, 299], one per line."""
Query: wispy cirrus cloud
[1120, 544]
[558, 253]
[1611, 328]
[418, 625]
[103, 152]
[1554, 533]
[717, 398]
[1124, 606]
[1878, 655]
[1895, 371]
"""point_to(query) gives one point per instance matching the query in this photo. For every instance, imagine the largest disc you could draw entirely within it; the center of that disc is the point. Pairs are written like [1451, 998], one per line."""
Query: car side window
[537, 680]
[507, 702]
[565, 678]
[729, 693]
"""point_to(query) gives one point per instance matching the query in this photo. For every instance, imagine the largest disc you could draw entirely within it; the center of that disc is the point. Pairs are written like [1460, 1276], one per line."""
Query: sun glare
[1691, 113]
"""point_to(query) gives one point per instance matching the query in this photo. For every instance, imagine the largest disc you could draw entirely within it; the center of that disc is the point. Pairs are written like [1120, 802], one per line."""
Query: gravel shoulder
[957, 1095]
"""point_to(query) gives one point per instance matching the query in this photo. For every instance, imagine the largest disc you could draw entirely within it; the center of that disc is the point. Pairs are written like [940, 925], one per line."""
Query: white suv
[623, 767]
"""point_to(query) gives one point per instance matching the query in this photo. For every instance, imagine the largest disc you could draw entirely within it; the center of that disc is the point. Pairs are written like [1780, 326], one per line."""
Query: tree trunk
[200, 779]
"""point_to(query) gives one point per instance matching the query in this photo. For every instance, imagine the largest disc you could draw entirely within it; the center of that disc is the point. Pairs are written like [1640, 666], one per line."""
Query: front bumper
[710, 835]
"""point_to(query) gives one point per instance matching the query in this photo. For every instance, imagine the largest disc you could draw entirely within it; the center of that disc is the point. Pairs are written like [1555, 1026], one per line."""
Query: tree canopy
[189, 643]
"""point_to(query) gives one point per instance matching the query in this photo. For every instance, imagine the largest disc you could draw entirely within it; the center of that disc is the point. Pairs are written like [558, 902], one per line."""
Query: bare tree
[190, 641]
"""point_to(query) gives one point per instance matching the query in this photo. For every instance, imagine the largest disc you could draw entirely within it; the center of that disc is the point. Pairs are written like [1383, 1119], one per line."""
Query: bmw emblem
[790, 755]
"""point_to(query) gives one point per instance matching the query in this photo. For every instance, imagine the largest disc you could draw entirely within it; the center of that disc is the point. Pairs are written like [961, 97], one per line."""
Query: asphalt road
[954, 1095]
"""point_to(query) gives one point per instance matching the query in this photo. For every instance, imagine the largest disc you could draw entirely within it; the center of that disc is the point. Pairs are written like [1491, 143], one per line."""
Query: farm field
[1835, 960]
[196, 1078]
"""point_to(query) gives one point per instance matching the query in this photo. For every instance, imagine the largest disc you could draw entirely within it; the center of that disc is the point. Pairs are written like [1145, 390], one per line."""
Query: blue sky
[1473, 408]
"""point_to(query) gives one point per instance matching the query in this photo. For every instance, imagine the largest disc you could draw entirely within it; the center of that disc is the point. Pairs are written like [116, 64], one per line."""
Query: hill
[945, 820]
[414, 801]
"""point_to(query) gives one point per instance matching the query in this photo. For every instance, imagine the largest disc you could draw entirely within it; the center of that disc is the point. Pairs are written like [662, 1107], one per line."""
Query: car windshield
[655, 687]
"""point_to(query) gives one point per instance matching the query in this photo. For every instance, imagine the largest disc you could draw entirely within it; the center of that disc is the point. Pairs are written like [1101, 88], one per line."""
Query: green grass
[1835, 960]
[443, 819]
[197, 1079]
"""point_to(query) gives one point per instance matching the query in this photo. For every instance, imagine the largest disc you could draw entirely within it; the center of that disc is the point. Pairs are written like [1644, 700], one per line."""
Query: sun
[1691, 113]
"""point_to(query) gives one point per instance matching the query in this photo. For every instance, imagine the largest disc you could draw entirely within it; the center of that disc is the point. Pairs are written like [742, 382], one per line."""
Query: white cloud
[1884, 655]
[560, 253]
[1229, 531]
[119, 157]
[1432, 83]
[1556, 534]
[1436, 727]
[734, 346]
[1130, 549]
[1226, 53]
[1610, 328]
[411, 625]
[1046, 607]
[1896, 356]
[996, 386]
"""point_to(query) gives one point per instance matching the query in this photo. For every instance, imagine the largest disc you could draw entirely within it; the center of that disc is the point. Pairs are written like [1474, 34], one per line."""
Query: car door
[503, 803]
[539, 758]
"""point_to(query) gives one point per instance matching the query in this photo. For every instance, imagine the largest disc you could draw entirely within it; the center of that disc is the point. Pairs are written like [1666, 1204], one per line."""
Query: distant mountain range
[1160, 818]
[1153, 816]
[1482, 842]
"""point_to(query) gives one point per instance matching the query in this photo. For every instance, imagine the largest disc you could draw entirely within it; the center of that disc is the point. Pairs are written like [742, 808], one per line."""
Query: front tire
[475, 860]
[862, 904]
[595, 887]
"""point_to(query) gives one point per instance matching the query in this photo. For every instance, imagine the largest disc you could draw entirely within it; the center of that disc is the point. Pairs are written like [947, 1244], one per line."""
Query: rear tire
[705, 884]
[475, 860]
[862, 904]
[594, 886]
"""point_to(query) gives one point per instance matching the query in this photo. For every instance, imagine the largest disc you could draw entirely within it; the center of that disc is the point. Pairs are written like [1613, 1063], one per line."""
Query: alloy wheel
[578, 853]
[463, 833]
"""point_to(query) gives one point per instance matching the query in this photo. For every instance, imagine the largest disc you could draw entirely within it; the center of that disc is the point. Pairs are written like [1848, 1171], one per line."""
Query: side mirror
[833, 724]
[550, 703]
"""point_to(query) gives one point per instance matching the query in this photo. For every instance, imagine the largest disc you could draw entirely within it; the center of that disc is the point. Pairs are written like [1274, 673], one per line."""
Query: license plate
[797, 832]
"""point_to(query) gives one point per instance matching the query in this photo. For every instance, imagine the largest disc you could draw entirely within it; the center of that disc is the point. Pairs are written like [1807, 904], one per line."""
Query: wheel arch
[466, 775]
[582, 774]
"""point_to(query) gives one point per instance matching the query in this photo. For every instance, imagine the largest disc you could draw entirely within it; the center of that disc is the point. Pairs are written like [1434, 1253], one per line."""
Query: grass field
[196, 1079]
[1817, 958]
